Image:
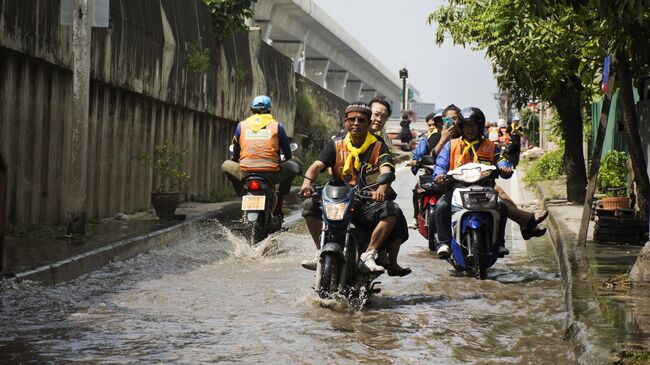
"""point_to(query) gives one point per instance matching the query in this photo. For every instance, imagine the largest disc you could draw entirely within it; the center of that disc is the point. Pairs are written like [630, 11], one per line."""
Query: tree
[228, 16]
[536, 54]
[622, 27]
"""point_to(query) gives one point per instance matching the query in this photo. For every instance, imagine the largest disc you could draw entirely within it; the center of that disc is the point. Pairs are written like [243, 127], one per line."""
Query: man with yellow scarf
[470, 147]
[345, 155]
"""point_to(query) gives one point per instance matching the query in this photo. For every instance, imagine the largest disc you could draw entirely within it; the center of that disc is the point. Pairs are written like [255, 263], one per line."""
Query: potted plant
[167, 164]
[612, 180]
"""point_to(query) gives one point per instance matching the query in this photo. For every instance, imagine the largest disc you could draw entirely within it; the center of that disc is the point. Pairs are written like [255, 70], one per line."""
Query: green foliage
[548, 167]
[167, 163]
[530, 125]
[228, 16]
[612, 172]
[198, 58]
[314, 126]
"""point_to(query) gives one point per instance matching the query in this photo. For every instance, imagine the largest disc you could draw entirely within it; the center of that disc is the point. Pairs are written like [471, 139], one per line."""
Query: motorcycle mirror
[293, 146]
[386, 178]
[427, 160]
[293, 167]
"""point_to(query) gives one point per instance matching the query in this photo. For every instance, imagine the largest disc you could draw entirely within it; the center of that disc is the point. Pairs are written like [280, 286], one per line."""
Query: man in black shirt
[345, 155]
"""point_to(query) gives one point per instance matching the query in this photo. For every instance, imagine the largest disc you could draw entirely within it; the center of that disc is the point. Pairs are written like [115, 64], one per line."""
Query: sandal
[535, 232]
[533, 222]
[405, 271]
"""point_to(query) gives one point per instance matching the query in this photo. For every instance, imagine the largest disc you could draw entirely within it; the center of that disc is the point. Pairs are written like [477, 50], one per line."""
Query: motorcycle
[259, 199]
[428, 195]
[342, 242]
[475, 218]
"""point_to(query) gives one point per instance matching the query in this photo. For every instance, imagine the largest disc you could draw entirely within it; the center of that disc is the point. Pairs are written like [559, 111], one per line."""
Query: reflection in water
[212, 298]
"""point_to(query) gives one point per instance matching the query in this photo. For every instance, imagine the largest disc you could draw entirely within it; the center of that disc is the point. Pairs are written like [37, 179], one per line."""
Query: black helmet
[474, 115]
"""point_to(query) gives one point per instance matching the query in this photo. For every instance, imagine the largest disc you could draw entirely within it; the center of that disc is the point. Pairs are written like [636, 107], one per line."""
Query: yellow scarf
[468, 146]
[354, 153]
[259, 121]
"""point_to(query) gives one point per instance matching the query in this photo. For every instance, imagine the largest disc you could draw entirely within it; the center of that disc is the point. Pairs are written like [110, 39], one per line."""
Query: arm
[445, 136]
[385, 165]
[420, 151]
[442, 162]
[284, 142]
[312, 172]
[235, 144]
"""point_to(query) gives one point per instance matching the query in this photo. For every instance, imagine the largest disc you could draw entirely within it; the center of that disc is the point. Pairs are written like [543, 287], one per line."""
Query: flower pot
[616, 202]
[165, 204]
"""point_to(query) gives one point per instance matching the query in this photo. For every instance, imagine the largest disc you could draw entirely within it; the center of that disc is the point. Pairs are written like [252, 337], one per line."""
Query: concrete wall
[326, 101]
[141, 93]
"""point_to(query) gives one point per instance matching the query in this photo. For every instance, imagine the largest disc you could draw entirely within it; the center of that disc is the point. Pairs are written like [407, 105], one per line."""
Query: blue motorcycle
[475, 218]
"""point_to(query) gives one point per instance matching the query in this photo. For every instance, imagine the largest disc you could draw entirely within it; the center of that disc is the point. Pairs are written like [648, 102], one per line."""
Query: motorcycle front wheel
[478, 249]
[329, 276]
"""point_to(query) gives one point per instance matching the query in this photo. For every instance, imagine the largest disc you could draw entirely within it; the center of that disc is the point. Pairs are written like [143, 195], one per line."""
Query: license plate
[253, 202]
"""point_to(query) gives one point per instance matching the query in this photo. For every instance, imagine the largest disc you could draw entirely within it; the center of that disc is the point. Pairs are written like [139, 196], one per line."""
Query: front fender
[332, 247]
[475, 220]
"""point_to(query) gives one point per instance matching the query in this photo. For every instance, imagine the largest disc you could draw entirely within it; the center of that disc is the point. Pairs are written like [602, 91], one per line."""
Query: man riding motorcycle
[257, 144]
[470, 147]
[346, 155]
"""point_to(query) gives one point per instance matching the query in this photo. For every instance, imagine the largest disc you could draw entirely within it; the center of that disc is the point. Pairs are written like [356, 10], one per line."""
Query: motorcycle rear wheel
[329, 276]
[477, 245]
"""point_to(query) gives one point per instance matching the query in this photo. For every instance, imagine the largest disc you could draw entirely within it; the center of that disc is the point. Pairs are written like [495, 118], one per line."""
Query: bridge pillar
[291, 49]
[316, 70]
[353, 90]
[336, 81]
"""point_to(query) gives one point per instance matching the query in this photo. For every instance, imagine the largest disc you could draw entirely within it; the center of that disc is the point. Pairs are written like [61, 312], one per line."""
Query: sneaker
[310, 264]
[443, 251]
[503, 251]
[367, 262]
[413, 224]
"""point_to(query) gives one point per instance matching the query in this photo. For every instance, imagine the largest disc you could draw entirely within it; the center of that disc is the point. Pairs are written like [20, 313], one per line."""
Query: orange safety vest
[458, 155]
[342, 155]
[260, 151]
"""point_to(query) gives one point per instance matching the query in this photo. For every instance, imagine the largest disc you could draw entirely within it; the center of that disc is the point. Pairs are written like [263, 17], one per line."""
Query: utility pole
[75, 134]
[404, 74]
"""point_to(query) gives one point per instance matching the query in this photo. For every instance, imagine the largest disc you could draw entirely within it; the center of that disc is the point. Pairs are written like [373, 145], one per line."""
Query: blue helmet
[261, 102]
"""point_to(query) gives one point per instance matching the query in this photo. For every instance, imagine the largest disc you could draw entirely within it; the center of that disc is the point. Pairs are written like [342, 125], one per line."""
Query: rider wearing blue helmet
[257, 145]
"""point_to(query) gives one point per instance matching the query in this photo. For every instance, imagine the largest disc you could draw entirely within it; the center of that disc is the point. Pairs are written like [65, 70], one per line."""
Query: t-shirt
[433, 141]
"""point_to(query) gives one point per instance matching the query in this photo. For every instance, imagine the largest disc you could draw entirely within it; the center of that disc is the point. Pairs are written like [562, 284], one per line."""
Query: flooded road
[213, 299]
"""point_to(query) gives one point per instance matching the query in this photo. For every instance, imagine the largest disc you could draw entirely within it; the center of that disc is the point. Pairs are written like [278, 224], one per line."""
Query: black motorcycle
[342, 242]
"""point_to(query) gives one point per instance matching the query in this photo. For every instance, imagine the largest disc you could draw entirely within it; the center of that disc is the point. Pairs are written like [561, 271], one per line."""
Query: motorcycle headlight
[334, 211]
[479, 199]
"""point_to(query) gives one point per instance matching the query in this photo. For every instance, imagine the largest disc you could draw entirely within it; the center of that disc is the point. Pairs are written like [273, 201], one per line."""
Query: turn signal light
[254, 185]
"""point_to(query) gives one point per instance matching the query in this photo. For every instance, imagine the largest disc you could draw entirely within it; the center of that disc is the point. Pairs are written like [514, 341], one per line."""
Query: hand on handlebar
[306, 191]
[439, 179]
[379, 196]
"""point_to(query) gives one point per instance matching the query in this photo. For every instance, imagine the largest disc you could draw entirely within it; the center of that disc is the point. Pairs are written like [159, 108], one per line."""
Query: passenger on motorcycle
[345, 155]
[470, 147]
[257, 144]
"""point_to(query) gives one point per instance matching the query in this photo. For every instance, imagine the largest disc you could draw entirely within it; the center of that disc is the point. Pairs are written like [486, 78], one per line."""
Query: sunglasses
[358, 120]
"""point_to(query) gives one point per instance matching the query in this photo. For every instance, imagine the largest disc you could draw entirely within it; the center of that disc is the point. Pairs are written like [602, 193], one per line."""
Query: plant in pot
[167, 164]
[612, 180]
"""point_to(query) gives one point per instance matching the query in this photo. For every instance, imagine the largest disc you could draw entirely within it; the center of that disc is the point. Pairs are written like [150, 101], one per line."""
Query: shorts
[369, 216]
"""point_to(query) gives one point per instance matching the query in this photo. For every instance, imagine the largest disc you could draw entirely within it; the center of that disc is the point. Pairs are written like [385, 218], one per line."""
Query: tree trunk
[568, 103]
[631, 125]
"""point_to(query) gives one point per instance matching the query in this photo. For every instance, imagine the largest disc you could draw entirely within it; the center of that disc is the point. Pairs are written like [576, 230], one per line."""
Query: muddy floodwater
[213, 299]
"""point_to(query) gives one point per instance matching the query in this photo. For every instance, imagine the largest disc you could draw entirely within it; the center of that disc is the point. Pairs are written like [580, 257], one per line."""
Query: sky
[397, 33]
